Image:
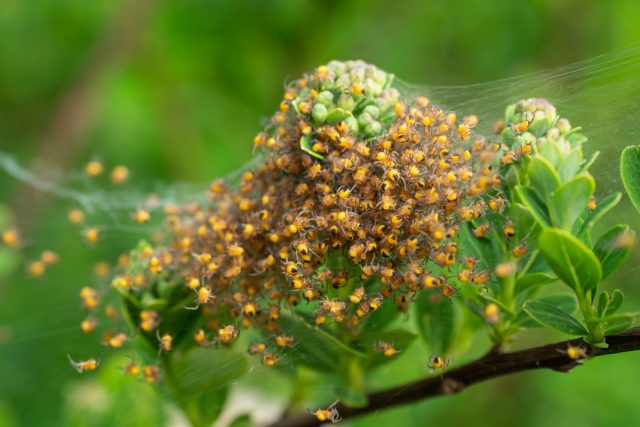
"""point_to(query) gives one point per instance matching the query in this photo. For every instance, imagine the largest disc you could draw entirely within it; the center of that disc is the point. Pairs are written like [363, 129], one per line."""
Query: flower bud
[563, 126]
[346, 102]
[319, 113]
[372, 111]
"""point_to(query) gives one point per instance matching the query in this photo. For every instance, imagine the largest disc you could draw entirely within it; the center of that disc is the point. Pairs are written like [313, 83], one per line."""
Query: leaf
[314, 346]
[380, 318]
[603, 301]
[576, 139]
[534, 204]
[523, 220]
[481, 248]
[618, 323]
[564, 302]
[552, 153]
[544, 179]
[602, 207]
[241, 421]
[570, 200]
[553, 317]
[569, 164]
[531, 280]
[613, 248]
[572, 261]
[399, 338]
[436, 321]
[305, 145]
[200, 379]
[630, 172]
[586, 165]
[615, 301]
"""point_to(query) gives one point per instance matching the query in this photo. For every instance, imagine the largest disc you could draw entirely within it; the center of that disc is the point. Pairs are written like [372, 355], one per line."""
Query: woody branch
[492, 365]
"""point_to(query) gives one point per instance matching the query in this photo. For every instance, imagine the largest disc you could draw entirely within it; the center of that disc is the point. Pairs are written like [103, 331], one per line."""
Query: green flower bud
[379, 76]
[364, 119]
[319, 113]
[553, 134]
[563, 126]
[539, 124]
[346, 102]
[357, 74]
[338, 67]
[373, 128]
[325, 97]
[372, 111]
[372, 88]
[352, 124]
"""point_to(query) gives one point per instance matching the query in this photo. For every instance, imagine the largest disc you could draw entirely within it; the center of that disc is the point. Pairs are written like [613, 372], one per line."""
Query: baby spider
[329, 414]
[385, 348]
[84, 365]
[576, 353]
[203, 296]
[141, 216]
[436, 362]
[132, 369]
[200, 337]
[165, 342]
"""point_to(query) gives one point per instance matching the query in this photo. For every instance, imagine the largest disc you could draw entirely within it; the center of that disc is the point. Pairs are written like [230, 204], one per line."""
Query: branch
[492, 365]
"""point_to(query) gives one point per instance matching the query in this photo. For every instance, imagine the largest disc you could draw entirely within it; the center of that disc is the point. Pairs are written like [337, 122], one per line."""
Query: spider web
[599, 94]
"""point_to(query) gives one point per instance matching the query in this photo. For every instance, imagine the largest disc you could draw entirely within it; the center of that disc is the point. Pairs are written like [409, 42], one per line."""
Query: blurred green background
[176, 91]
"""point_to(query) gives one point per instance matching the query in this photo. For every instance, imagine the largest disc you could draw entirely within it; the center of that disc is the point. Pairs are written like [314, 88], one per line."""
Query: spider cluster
[357, 203]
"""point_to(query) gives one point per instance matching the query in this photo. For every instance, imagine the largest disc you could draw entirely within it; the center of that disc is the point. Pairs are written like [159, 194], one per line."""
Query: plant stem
[492, 365]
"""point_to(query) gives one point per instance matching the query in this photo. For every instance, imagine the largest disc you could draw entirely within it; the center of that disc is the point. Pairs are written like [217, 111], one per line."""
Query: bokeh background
[176, 91]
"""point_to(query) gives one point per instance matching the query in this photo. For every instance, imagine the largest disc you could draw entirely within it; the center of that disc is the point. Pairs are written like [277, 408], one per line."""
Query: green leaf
[569, 164]
[618, 323]
[399, 338]
[315, 347]
[436, 321]
[570, 200]
[534, 204]
[613, 248]
[553, 317]
[380, 318]
[572, 261]
[630, 172]
[615, 301]
[586, 165]
[602, 207]
[603, 301]
[481, 248]
[552, 153]
[523, 221]
[305, 145]
[576, 139]
[242, 421]
[200, 379]
[531, 280]
[564, 302]
[543, 178]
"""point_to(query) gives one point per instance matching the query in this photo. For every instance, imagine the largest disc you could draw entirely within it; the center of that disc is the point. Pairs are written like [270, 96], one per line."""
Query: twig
[490, 366]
